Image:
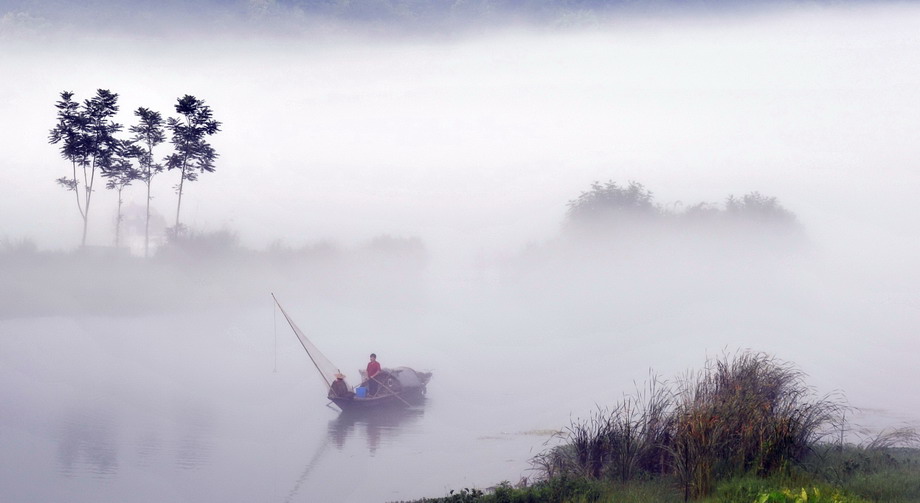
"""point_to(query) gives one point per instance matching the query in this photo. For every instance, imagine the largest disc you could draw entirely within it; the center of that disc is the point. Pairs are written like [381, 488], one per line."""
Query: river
[225, 406]
[222, 404]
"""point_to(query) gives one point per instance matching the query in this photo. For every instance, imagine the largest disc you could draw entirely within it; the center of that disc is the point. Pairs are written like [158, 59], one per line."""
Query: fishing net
[326, 368]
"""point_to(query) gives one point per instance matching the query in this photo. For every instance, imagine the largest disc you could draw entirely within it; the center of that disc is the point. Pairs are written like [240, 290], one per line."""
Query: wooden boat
[399, 387]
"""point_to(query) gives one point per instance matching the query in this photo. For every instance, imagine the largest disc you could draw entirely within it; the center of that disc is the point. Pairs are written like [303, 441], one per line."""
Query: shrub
[757, 207]
[744, 414]
[748, 414]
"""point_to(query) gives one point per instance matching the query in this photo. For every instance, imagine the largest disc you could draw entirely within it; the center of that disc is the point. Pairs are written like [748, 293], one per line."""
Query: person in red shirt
[373, 368]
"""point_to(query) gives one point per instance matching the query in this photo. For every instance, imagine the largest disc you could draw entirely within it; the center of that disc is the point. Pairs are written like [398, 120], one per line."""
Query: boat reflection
[87, 443]
[379, 425]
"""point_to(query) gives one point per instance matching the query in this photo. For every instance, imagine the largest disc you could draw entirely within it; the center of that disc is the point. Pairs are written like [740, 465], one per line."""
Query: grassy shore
[893, 478]
[745, 429]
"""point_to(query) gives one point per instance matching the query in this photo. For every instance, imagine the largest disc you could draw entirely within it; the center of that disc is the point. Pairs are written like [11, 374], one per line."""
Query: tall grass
[746, 413]
[622, 443]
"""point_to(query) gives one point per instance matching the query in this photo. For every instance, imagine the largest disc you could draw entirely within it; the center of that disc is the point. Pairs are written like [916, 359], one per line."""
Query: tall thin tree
[87, 136]
[193, 154]
[119, 174]
[70, 132]
[148, 133]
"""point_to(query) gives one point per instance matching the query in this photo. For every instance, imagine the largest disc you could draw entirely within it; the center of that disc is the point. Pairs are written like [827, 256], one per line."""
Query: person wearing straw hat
[339, 388]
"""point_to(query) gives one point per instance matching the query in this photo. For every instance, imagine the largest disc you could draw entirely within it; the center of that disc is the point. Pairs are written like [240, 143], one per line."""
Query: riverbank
[852, 475]
[744, 429]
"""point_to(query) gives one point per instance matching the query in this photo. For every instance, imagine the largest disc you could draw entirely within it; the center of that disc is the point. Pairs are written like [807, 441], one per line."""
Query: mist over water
[174, 379]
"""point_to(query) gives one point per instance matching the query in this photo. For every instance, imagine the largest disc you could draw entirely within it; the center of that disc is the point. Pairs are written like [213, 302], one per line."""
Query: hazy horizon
[477, 143]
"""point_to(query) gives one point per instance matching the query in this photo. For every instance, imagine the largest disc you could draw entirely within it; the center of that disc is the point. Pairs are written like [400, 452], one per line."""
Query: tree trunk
[147, 221]
[83, 240]
[76, 191]
[181, 184]
[179, 204]
[118, 220]
[88, 184]
[89, 191]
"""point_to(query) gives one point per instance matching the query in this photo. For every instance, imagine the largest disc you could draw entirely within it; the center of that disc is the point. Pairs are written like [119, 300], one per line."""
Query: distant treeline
[610, 203]
[605, 210]
[196, 268]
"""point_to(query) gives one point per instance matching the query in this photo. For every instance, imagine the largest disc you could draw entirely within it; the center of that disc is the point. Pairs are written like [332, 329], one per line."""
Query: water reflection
[147, 448]
[380, 424]
[87, 443]
[194, 445]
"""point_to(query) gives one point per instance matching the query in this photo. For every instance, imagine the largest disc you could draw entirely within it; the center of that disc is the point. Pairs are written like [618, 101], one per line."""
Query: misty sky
[475, 141]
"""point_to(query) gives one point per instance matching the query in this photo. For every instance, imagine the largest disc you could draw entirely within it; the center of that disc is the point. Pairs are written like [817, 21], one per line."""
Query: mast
[319, 360]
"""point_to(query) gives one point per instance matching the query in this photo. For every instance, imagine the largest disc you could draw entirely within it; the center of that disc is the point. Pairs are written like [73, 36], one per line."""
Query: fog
[405, 192]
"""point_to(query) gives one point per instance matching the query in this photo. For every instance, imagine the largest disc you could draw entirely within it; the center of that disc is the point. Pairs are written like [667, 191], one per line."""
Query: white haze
[474, 144]
[479, 142]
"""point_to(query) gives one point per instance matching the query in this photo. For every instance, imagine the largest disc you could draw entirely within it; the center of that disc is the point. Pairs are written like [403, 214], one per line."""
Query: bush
[745, 414]
[608, 200]
[750, 414]
[608, 209]
[755, 206]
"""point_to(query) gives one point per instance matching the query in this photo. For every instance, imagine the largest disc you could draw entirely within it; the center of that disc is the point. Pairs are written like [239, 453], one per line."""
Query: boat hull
[405, 398]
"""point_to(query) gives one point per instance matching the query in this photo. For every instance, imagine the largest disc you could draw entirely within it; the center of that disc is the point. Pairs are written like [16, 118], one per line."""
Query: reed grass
[743, 413]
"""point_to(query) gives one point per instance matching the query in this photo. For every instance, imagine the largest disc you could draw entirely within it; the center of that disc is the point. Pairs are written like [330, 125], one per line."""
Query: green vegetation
[802, 489]
[882, 469]
[746, 429]
[559, 490]
[780, 489]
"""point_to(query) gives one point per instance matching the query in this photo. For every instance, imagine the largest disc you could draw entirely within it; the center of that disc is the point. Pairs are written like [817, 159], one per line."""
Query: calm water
[222, 406]
[215, 408]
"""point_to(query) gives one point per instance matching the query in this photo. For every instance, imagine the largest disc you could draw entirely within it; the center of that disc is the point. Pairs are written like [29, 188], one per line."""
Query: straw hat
[339, 375]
